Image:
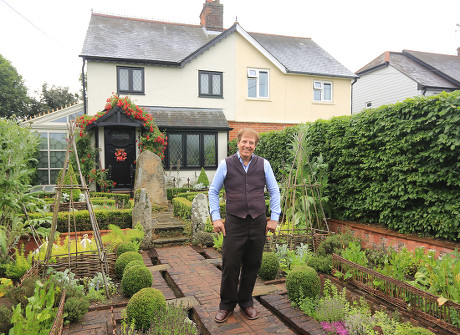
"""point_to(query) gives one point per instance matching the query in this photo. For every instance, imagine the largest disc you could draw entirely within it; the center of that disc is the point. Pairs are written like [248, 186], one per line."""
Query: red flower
[89, 156]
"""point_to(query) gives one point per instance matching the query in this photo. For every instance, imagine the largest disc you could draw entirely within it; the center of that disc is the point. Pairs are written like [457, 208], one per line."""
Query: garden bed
[399, 294]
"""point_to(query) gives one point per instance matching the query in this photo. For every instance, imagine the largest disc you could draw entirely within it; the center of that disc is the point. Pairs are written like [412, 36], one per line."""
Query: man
[244, 176]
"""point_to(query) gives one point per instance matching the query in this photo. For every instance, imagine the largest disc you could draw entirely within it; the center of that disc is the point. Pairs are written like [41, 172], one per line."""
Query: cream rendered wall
[170, 86]
[290, 95]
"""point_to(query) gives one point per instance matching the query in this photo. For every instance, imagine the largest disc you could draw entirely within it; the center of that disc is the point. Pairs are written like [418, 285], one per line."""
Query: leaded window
[191, 150]
[130, 80]
[210, 84]
[51, 156]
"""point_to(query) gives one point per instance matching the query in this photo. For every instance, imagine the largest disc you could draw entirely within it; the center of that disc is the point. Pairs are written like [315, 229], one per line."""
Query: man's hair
[250, 132]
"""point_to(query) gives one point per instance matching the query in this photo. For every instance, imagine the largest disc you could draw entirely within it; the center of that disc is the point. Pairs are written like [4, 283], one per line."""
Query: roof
[427, 69]
[124, 39]
[188, 118]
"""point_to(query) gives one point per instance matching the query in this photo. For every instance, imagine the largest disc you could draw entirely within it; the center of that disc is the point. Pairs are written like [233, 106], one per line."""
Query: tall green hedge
[397, 165]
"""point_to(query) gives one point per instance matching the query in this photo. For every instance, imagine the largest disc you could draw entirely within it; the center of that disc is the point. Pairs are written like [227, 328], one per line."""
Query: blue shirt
[218, 183]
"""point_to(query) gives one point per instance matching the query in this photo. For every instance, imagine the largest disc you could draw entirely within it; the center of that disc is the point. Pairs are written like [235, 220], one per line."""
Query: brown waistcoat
[245, 191]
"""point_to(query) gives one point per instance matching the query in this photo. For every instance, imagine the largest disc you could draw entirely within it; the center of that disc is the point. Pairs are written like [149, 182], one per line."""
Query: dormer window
[130, 80]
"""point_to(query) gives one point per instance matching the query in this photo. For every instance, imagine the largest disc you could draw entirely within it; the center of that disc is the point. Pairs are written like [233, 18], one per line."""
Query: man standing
[244, 176]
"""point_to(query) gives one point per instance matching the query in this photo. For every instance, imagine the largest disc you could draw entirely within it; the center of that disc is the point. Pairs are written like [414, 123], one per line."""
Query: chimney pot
[458, 51]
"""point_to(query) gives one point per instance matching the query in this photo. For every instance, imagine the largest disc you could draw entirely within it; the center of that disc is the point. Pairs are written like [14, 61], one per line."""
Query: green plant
[101, 178]
[123, 260]
[322, 264]
[302, 282]
[97, 283]
[70, 179]
[133, 263]
[19, 266]
[5, 318]
[38, 316]
[182, 207]
[270, 266]
[203, 178]
[218, 241]
[117, 236]
[334, 244]
[419, 331]
[145, 306]
[289, 259]
[333, 306]
[136, 278]
[75, 308]
[127, 246]
[19, 293]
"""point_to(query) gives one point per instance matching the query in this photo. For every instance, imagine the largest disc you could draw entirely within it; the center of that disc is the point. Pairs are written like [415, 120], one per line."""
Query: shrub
[334, 244]
[322, 264]
[270, 266]
[123, 260]
[132, 264]
[182, 207]
[302, 282]
[136, 278]
[144, 307]
[5, 318]
[203, 178]
[19, 293]
[75, 307]
[127, 246]
[419, 331]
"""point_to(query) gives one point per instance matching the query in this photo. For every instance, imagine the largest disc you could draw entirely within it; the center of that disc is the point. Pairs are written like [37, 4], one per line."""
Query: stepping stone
[185, 302]
[265, 290]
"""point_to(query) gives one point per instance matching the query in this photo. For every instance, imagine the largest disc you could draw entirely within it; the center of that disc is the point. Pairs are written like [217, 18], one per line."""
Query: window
[68, 118]
[322, 91]
[51, 157]
[210, 84]
[258, 81]
[130, 79]
[191, 150]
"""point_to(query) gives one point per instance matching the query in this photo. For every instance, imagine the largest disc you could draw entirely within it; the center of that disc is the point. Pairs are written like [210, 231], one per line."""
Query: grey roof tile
[432, 70]
[188, 118]
[122, 38]
[301, 55]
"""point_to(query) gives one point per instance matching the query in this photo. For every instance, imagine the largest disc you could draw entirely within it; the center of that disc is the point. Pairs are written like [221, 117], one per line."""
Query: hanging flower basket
[120, 155]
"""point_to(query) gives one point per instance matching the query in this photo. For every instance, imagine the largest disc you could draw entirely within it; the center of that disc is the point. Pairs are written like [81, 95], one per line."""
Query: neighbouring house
[203, 83]
[395, 76]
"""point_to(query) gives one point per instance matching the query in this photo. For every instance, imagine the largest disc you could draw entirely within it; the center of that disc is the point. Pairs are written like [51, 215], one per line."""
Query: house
[203, 83]
[395, 76]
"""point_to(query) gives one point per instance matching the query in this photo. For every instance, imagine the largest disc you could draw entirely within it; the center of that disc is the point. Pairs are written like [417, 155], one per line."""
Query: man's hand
[219, 226]
[271, 226]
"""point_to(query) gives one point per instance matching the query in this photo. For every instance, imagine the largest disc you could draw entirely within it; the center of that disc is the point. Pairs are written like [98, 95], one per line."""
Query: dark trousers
[242, 251]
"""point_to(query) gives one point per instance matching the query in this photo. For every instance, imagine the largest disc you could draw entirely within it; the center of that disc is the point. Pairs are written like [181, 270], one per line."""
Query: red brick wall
[261, 127]
[373, 236]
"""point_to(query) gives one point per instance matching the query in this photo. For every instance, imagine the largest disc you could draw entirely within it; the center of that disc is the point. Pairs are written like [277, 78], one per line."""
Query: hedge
[122, 218]
[182, 207]
[397, 165]
[118, 197]
[172, 192]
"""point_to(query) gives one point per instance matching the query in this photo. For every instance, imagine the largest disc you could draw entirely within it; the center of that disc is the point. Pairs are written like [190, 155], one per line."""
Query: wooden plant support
[301, 192]
[102, 258]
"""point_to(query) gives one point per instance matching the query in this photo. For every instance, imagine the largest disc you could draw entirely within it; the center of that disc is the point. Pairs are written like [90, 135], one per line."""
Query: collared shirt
[218, 183]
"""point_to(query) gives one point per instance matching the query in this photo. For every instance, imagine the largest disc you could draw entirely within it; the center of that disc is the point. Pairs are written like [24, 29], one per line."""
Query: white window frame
[255, 73]
[318, 85]
[49, 149]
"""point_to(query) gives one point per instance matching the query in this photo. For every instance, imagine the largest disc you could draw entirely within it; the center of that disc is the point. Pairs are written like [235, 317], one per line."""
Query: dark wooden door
[117, 138]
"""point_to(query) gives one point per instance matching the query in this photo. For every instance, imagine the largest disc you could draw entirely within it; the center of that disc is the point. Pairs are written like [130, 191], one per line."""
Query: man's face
[246, 146]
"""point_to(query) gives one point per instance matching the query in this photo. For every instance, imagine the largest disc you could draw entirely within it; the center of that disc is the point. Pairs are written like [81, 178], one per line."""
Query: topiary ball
[136, 278]
[145, 306]
[419, 331]
[302, 282]
[123, 260]
[270, 266]
[131, 264]
[126, 246]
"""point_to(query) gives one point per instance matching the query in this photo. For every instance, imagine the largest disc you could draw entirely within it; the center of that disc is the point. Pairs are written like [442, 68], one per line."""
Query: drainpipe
[83, 82]
[351, 99]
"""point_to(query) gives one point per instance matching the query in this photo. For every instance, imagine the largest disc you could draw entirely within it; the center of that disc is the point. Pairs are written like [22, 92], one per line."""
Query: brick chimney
[458, 51]
[212, 15]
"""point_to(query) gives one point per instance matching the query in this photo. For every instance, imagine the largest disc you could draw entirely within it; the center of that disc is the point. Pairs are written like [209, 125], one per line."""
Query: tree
[13, 92]
[55, 97]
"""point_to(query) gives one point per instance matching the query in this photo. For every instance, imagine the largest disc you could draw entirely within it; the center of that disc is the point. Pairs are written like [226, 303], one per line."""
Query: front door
[120, 153]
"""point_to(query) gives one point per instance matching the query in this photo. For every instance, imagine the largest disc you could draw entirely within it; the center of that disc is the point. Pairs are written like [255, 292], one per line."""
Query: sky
[43, 38]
